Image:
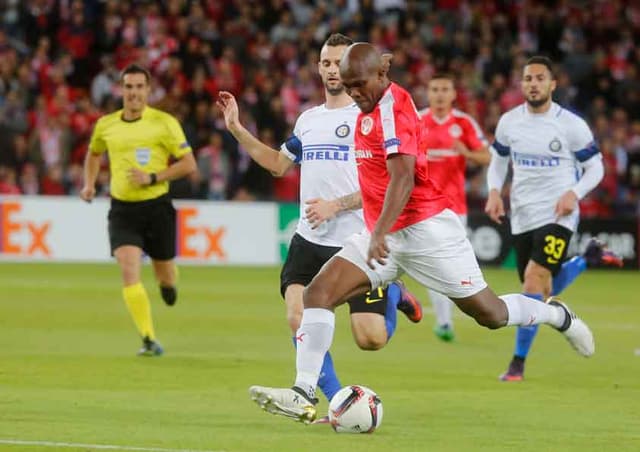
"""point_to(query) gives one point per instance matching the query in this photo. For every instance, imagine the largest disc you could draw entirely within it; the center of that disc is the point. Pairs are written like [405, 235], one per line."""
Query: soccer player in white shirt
[555, 164]
[330, 207]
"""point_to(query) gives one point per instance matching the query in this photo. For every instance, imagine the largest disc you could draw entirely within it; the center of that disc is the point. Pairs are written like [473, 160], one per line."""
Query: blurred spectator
[59, 63]
[214, 165]
[8, 184]
[50, 144]
[106, 82]
[52, 182]
[29, 182]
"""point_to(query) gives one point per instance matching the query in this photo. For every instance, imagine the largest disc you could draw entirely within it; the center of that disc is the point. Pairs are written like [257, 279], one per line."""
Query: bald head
[360, 59]
[363, 71]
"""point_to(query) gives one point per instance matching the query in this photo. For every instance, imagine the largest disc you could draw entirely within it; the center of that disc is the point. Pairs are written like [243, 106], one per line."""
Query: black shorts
[149, 225]
[304, 261]
[546, 245]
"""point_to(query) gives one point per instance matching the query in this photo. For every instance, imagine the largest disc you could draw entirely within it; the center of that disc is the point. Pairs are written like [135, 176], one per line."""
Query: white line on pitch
[18, 442]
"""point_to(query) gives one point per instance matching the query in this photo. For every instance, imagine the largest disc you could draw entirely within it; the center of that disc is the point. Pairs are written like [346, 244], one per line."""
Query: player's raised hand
[227, 104]
[320, 210]
[566, 204]
[138, 177]
[378, 250]
[495, 207]
[87, 193]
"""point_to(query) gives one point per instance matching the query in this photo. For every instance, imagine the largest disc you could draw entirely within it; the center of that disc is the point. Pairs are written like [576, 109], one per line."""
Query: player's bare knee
[316, 296]
[537, 280]
[369, 342]
[489, 321]
[491, 318]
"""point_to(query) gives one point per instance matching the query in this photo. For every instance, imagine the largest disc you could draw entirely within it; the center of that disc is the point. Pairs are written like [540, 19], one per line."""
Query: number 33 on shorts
[554, 248]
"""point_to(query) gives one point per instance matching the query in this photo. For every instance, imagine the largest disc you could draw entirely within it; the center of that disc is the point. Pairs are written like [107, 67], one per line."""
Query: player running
[556, 162]
[452, 139]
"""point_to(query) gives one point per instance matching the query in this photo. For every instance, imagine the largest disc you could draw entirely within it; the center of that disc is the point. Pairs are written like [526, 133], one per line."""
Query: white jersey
[322, 143]
[546, 150]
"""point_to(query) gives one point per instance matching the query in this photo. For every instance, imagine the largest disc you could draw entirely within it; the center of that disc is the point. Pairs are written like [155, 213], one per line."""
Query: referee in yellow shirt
[139, 141]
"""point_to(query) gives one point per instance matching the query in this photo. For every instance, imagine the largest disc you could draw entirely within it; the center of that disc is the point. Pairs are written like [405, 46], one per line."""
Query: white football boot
[576, 331]
[284, 402]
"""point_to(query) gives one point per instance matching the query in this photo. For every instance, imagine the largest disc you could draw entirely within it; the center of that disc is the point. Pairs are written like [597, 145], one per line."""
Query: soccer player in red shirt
[409, 228]
[451, 139]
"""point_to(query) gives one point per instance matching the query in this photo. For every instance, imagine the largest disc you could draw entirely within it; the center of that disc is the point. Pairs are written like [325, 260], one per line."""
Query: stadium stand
[59, 63]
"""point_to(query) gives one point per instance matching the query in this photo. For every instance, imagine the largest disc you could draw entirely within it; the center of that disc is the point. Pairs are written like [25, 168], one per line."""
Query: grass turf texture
[68, 370]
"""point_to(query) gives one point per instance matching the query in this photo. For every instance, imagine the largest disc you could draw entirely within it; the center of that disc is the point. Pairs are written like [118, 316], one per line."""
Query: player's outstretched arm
[91, 168]
[270, 159]
[320, 210]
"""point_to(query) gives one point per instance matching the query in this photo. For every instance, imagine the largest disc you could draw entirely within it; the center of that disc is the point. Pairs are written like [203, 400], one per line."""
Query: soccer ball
[355, 409]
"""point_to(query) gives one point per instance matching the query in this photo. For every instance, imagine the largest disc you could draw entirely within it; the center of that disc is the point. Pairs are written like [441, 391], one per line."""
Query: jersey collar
[438, 120]
[133, 120]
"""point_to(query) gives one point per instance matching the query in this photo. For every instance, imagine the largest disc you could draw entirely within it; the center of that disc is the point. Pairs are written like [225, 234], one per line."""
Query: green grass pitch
[69, 374]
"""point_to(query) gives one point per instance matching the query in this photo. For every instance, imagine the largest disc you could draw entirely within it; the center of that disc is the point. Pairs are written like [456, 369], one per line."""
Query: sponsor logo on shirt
[366, 154]
[366, 125]
[535, 161]
[342, 156]
[339, 152]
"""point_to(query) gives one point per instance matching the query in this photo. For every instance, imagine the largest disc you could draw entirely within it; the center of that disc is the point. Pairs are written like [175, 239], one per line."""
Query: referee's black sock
[169, 295]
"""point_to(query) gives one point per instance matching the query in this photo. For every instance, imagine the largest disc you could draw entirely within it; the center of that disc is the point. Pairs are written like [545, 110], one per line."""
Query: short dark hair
[338, 39]
[443, 75]
[135, 69]
[543, 60]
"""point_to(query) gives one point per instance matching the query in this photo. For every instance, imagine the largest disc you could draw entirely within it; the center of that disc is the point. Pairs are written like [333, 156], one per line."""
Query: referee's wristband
[153, 178]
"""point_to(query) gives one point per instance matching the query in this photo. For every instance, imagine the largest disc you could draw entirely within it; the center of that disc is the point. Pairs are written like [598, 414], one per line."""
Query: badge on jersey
[143, 156]
[455, 131]
[366, 125]
[555, 145]
[343, 131]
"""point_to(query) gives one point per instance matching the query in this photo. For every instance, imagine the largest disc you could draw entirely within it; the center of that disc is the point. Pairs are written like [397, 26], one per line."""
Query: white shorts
[434, 252]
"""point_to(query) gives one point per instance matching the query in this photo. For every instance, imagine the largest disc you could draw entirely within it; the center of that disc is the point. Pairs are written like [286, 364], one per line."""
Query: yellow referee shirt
[145, 143]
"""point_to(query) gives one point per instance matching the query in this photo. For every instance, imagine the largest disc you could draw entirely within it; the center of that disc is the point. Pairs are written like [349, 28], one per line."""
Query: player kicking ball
[409, 229]
[330, 208]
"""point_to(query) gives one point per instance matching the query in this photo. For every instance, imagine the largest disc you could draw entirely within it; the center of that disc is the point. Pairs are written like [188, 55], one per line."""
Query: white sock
[527, 311]
[443, 308]
[314, 339]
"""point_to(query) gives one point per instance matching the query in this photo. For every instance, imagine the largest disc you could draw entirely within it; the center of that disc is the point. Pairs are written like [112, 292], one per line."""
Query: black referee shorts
[546, 246]
[149, 225]
[304, 261]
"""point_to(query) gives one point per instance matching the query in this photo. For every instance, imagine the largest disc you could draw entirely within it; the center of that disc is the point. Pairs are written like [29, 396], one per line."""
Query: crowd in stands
[60, 62]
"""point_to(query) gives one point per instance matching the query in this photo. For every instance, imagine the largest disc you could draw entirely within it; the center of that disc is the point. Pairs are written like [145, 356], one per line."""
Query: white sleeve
[497, 172]
[500, 156]
[589, 158]
[581, 141]
[593, 172]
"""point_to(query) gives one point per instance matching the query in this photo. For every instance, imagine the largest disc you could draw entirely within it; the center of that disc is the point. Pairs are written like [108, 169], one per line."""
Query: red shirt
[393, 127]
[446, 165]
